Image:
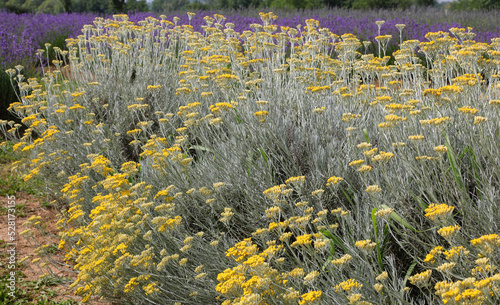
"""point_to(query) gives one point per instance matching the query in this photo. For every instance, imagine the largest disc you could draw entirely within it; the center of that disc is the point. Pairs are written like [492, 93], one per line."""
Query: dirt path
[60, 274]
[24, 248]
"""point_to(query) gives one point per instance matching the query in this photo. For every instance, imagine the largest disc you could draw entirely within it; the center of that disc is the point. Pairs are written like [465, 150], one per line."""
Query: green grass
[6, 153]
[11, 182]
[20, 210]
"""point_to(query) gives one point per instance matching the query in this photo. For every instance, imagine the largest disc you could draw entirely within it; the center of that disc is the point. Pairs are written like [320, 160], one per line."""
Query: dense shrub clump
[279, 165]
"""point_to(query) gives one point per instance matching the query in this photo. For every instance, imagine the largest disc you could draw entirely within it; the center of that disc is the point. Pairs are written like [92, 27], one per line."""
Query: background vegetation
[116, 6]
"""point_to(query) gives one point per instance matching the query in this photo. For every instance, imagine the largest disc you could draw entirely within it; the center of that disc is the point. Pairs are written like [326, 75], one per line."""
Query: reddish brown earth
[25, 248]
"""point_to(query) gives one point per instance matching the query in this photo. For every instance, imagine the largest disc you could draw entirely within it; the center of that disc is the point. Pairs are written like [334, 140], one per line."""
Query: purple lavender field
[22, 35]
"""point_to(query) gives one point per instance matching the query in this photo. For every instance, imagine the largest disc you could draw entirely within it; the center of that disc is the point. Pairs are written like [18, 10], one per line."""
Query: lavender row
[22, 35]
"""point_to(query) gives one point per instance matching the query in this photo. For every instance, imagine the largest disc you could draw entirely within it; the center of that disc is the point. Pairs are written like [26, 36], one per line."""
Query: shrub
[273, 166]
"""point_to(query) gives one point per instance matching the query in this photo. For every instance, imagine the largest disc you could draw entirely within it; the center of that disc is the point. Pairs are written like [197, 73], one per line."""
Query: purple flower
[22, 35]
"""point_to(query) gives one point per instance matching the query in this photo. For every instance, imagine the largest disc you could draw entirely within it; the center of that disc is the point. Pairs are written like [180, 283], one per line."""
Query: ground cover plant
[277, 165]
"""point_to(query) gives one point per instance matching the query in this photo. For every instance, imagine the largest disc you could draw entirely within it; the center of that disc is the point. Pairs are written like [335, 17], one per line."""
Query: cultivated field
[234, 160]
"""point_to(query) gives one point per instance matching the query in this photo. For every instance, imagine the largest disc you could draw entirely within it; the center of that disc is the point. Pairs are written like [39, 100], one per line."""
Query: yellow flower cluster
[333, 180]
[253, 278]
[421, 279]
[487, 243]
[365, 245]
[438, 212]
[468, 109]
[312, 297]
[242, 250]
[296, 180]
[348, 286]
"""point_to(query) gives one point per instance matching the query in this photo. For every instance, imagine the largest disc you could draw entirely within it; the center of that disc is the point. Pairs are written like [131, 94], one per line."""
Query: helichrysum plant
[274, 166]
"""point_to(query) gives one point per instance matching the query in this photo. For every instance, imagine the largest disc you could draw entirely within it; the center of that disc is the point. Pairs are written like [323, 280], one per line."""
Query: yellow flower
[242, 250]
[416, 137]
[227, 215]
[347, 286]
[365, 168]
[167, 223]
[431, 257]
[421, 279]
[487, 243]
[273, 192]
[357, 162]
[304, 239]
[436, 121]
[254, 261]
[286, 236]
[468, 110]
[347, 117]
[448, 232]
[354, 298]
[470, 296]
[150, 288]
[446, 267]
[320, 110]
[297, 272]
[311, 297]
[343, 260]
[371, 152]
[454, 253]
[483, 271]
[230, 280]
[382, 276]
[441, 149]
[394, 118]
[364, 145]
[437, 212]
[365, 245]
[384, 213]
[273, 212]
[398, 144]
[333, 180]
[130, 167]
[218, 185]
[298, 181]
[131, 285]
[479, 120]
[373, 189]
[220, 107]
[382, 156]
[309, 278]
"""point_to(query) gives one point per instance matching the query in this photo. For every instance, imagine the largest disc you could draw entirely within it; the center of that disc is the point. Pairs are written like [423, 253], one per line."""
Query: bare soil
[49, 235]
